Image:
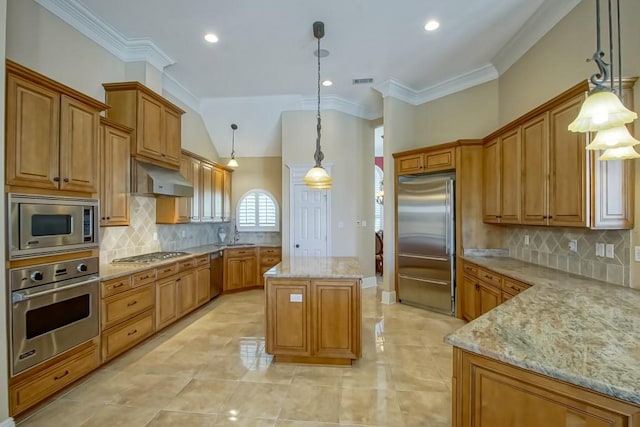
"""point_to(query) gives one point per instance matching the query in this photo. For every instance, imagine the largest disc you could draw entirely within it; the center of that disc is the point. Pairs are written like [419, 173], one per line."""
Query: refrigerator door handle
[430, 258]
[447, 212]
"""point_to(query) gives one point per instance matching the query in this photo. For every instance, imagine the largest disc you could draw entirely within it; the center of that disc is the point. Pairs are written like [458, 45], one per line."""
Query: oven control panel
[36, 275]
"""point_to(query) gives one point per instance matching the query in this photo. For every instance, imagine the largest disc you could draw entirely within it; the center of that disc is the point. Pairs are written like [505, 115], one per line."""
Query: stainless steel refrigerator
[426, 241]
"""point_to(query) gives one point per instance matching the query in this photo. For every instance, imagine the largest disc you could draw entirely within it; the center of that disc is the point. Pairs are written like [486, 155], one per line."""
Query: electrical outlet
[573, 245]
[155, 236]
[600, 249]
[636, 250]
[526, 240]
[184, 233]
[364, 223]
[609, 250]
[340, 224]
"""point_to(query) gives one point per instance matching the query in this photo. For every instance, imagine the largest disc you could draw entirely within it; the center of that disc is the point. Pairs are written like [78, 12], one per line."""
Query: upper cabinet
[115, 150]
[546, 177]
[52, 134]
[420, 161]
[155, 120]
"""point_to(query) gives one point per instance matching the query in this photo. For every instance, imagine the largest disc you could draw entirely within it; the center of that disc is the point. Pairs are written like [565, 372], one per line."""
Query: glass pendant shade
[317, 178]
[622, 153]
[233, 163]
[601, 110]
[617, 137]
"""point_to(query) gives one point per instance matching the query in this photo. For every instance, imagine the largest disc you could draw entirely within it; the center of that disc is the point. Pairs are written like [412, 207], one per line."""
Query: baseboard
[369, 282]
[8, 423]
[388, 297]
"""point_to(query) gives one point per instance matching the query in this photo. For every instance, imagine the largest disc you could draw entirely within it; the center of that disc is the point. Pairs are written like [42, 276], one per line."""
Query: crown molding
[87, 23]
[175, 88]
[397, 90]
[332, 102]
[541, 22]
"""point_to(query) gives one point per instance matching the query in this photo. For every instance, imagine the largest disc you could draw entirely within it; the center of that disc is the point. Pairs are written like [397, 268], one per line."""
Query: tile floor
[210, 369]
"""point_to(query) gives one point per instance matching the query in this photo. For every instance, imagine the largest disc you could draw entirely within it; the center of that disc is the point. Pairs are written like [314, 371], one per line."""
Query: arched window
[258, 211]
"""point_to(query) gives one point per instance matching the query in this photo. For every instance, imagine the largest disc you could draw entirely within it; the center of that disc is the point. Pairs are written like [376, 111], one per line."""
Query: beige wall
[4, 396]
[469, 114]
[347, 143]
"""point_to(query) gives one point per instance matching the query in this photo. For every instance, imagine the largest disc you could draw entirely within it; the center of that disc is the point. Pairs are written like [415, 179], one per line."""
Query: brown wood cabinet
[313, 321]
[155, 120]
[269, 256]
[434, 160]
[115, 149]
[240, 269]
[58, 123]
[203, 280]
[226, 196]
[489, 393]
[491, 182]
[166, 304]
[510, 177]
[535, 170]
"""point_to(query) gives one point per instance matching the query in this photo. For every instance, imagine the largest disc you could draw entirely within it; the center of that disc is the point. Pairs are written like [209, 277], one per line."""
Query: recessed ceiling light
[431, 25]
[327, 83]
[211, 38]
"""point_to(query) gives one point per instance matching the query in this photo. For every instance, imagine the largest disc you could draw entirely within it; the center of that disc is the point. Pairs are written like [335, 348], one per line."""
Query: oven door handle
[23, 296]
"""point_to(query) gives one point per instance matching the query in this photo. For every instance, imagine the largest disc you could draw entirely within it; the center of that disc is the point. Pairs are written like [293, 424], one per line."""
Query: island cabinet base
[489, 393]
[316, 321]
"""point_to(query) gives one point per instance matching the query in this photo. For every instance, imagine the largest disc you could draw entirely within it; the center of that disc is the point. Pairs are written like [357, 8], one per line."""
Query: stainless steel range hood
[151, 179]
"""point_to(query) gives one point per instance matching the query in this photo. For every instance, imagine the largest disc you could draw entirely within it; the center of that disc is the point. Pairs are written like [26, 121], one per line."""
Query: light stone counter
[317, 267]
[569, 328]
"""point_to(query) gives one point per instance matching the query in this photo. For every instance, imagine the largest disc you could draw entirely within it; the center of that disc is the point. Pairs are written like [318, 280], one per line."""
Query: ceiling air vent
[362, 81]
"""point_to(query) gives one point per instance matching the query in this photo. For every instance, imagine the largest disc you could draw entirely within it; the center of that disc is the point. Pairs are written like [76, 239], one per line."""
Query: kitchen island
[562, 353]
[313, 310]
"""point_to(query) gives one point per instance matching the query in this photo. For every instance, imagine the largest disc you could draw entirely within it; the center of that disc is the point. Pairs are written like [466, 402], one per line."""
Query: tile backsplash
[138, 237]
[549, 247]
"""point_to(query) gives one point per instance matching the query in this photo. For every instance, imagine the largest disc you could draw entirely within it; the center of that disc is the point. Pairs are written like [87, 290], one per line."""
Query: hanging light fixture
[603, 109]
[380, 195]
[317, 177]
[233, 163]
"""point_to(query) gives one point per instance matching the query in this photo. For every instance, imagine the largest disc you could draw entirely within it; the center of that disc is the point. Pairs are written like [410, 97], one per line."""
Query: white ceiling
[266, 50]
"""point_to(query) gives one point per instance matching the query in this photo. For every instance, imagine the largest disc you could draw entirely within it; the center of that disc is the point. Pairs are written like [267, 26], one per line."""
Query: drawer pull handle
[514, 288]
[59, 377]
[119, 285]
[144, 277]
[132, 303]
[166, 270]
[135, 331]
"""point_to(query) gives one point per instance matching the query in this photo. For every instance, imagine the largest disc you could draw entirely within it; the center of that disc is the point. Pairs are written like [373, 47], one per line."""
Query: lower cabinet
[166, 306]
[186, 292]
[313, 321]
[126, 335]
[240, 268]
[203, 281]
[489, 393]
[268, 256]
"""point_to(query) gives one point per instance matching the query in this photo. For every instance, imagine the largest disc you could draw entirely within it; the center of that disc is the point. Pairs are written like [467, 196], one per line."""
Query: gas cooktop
[151, 257]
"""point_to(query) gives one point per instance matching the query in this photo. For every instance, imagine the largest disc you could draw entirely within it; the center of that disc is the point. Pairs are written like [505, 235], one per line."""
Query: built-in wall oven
[45, 225]
[54, 307]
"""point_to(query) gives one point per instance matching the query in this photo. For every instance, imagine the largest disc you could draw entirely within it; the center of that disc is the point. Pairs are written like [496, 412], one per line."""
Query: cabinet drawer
[166, 271]
[56, 377]
[115, 286]
[490, 277]
[125, 336]
[470, 269]
[239, 253]
[202, 260]
[270, 251]
[187, 265]
[270, 261]
[513, 286]
[122, 306]
[143, 278]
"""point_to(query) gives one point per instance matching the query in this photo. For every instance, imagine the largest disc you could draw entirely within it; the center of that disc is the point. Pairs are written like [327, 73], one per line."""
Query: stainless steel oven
[54, 307]
[44, 225]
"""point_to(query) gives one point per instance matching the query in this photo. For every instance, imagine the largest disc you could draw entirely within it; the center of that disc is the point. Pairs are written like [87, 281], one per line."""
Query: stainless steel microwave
[45, 225]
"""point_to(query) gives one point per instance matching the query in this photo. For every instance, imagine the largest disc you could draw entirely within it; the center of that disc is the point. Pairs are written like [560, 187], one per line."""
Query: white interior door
[310, 221]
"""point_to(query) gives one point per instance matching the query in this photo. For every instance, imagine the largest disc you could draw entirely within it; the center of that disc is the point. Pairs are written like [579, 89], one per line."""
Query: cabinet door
[335, 319]
[438, 160]
[612, 194]
[172, 137]
[489, 298]
[288, 317]
[114, 176]
[567, 163]
[195, 179]
[226, 196]
[32, 135]
[535, 137]
[203, 283]
[79, 125]
[409, 164]
[469, 297]
[491, 193]
[184, 212]
[234, 274]
[149, 137]
[218, 197]
[186, 291]
[206, 191]
[166, 307]
[510, 177]
[250, 272]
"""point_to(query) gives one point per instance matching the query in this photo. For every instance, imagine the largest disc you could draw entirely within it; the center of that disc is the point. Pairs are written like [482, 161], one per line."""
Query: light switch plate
[636, 250]
[364, 222]
[573, 245]
[526, 240]
[609, 250]
[600, 249]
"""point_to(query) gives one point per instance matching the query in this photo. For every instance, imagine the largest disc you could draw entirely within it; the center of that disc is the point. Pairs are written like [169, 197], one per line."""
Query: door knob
[297, 246]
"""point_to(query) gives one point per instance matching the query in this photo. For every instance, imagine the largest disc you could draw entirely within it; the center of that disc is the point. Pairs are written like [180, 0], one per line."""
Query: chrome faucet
[236, 234]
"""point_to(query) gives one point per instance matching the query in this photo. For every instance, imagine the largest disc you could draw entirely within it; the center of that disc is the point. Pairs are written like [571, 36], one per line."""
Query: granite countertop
[570, 328]
[317, 267]
[111, 271]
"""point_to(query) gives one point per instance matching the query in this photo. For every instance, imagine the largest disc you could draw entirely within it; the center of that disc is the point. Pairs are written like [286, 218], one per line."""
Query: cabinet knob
[66, 180]
[297, 246]
[108, 217]
[477, 287]
[56, 178]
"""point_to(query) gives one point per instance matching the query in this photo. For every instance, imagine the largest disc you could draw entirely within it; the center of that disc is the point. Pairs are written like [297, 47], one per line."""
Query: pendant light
[317, 178]
[603, 109]
[233, 163]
